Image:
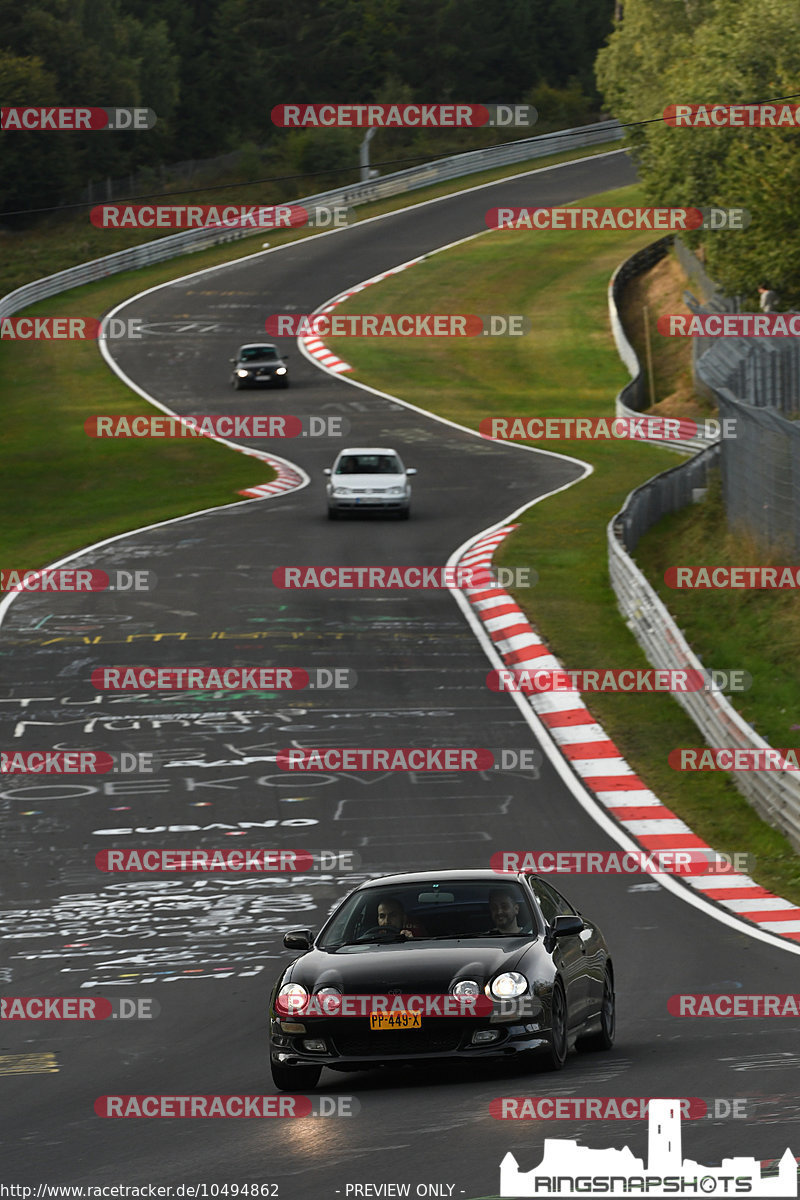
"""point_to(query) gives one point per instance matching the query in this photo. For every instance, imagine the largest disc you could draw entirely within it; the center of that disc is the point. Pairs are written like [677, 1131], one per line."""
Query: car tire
[294, 1079]
[603, 1039]
[404, 514]
[236, 385]
[333, 514]
[555, 1055]
[285, 383]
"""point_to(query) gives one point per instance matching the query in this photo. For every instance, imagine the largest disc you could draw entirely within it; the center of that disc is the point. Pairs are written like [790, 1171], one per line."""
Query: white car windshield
[369, 464]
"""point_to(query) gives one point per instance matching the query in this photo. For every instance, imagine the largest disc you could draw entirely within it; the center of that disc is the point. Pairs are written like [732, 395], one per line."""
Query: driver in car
[504, 911]
[391, 914]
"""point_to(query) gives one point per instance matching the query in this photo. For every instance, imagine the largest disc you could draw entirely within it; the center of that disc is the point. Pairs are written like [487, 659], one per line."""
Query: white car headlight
[281, 371]
[467, 987]
[508, 985]
[340, 491]
[242, 373]
[292, 998]
[395, 491]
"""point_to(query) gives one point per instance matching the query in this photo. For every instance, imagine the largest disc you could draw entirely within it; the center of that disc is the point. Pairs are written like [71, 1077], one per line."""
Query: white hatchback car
[368, 478]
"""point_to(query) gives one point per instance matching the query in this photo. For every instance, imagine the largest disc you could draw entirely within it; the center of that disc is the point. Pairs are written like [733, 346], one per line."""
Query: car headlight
[340, 491]
[292, 998]
[329, 991]
[508, 985]
[281, 371]
[467, 987]
[242, 373]
[396, 491]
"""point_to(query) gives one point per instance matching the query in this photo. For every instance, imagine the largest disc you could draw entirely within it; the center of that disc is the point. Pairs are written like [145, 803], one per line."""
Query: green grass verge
[758, 632]
[66, 490]
[567, 366]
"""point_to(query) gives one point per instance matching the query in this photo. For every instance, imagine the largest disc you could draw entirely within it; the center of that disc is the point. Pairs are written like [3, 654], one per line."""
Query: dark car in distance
[257, 364]
[374, 987]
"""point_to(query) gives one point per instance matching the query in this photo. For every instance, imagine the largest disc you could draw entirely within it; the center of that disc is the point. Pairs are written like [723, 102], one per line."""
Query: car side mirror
[298, 939]
[232, 360]
[564, 926]
[411, 471]
[327, 471]
[285, 356]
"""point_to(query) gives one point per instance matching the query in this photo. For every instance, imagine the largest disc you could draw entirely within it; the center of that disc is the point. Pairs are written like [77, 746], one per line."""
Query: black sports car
[442, 964]
[259, 363]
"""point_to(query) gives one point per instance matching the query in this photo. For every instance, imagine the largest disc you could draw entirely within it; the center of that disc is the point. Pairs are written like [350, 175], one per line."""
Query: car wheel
[333, 514]
[236, 385]
[604, 1038]
[404, 514]
[556, 1054]
[285, 383]
[294, 1079]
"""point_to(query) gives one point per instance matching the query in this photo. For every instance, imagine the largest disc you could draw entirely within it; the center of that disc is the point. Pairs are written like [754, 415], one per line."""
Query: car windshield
[368, 464]
[248, 353]
[431, 911]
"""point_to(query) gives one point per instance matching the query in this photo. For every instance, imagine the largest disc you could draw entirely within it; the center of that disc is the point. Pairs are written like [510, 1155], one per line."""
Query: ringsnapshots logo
[221, 679]
[213, 216]
[77, 579]
[568, 1169]
[78, 1008]
[399, 325]
[409, 578]
[225, 425]
[532, 681]
[76, 120]
[403, 116]
[659, 220]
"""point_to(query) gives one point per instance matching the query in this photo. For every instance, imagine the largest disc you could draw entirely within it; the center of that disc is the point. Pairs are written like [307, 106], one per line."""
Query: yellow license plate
[395, 1020]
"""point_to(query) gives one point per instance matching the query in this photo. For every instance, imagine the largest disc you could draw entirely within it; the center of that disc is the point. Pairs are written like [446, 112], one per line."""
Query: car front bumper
[351, 1045]
[371, 503]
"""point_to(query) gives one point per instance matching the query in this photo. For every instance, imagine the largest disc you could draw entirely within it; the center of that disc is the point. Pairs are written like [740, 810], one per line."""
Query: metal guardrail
[775, 795]
[407, 180]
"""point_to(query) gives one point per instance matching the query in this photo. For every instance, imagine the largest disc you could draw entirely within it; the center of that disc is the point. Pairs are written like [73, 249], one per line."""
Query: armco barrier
[360, 193]
[775, 795]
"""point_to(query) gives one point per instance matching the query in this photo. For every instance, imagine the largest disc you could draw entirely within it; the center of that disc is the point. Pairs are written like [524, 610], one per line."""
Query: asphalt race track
[207, 948]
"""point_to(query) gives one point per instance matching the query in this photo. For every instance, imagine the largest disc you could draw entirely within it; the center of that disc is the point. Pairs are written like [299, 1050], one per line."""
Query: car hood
[371, 482]
[411, 966]
[260, 362]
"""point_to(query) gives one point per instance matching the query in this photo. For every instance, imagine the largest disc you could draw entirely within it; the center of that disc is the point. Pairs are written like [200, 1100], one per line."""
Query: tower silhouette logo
[568, 1169]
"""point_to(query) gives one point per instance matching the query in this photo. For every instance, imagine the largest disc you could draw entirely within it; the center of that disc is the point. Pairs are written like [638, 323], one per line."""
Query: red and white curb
[316, 348]
[600, 765]
[287, 479]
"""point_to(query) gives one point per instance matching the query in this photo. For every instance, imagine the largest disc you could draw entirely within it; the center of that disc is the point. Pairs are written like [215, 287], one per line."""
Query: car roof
[472, 875]
[258, 346]
[368, 450]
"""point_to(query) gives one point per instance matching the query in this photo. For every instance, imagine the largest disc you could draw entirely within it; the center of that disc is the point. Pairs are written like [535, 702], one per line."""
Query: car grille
[397, 1043]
